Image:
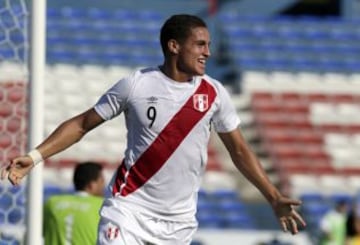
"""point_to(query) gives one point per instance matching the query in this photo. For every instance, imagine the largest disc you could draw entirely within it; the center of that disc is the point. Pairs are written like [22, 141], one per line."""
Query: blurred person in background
[333, 225]
[353, 224]
[169, 111]
[74, 218]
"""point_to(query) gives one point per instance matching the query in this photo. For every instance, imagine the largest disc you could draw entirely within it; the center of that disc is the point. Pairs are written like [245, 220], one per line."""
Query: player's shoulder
[145, 71]
[141, 73]
[214, 82]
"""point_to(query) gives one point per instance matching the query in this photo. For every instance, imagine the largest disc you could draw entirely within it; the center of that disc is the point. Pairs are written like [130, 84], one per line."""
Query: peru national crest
[112, 232]
[201, 102]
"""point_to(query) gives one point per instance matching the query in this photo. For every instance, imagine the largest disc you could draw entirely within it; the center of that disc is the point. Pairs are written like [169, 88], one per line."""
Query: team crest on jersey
[111, 232]
[201, 102]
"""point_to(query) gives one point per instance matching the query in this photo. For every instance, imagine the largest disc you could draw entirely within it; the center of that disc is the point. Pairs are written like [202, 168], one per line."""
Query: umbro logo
[152, 100]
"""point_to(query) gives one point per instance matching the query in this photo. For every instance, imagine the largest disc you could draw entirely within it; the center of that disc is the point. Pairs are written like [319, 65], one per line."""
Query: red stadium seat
[299, 121]
[13, 152]
[318, 97]
[262, 95]
[14, 124]
[260, 107]
[270, 120]
[295, 107]
[278, 136]
[283, 151]
[16, 94]
[2, 93]
[5, 140]
[309, 137]
[351, 129]
[343, 98]
[6, 109]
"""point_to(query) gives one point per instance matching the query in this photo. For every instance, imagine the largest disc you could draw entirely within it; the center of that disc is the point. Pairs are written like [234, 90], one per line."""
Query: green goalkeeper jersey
[71, 219]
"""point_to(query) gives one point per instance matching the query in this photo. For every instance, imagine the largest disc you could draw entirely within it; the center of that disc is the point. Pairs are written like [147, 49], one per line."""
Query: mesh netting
[13, 77]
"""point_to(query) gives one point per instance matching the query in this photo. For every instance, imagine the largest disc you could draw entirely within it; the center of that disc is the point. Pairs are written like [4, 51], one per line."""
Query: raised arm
[247, 163]
[65, 135]
[69, 132]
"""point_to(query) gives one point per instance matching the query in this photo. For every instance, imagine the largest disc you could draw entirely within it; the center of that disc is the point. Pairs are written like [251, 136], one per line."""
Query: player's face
[194, 52]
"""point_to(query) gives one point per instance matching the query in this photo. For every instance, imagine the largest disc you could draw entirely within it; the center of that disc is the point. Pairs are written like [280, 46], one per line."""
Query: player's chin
[199, 71]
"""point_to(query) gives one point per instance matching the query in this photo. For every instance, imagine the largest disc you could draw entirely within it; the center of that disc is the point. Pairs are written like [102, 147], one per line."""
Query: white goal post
[36, 62]
[22, 63]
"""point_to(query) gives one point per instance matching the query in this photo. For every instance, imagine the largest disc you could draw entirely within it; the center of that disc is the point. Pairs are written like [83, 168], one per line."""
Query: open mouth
[202, 61]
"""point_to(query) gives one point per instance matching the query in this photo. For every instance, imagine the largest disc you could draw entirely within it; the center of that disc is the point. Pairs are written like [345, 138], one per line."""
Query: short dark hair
[178, 27]
[86, 172]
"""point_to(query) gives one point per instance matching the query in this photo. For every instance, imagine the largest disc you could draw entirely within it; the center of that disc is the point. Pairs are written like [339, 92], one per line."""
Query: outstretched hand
[288, 217]
[17, 169]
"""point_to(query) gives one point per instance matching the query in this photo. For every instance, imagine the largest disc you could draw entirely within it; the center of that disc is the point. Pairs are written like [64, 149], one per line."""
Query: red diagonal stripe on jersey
[164, 145]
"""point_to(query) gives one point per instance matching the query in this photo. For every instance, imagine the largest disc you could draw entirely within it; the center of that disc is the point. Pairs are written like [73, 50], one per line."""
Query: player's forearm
[65, 135]
[247, 163]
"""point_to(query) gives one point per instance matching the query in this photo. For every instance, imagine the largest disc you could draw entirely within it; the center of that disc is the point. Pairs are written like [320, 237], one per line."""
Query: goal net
[13, 80]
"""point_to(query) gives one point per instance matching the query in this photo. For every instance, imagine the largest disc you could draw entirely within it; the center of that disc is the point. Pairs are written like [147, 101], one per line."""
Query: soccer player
[74, 218]
[333, 224]
[168, 110]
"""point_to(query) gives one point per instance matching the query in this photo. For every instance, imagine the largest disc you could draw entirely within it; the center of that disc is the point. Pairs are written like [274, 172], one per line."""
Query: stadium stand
[299, 105]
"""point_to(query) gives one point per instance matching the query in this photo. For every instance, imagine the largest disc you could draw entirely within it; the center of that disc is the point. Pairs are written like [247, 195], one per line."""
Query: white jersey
[168, 125]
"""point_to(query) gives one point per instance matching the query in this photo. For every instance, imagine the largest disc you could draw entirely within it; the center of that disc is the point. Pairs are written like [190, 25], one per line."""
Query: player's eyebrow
[202, 42]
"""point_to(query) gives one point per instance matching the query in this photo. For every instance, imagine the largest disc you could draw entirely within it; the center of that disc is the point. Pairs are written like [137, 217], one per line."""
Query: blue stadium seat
[87, 56]
[336, 197]
[289, 33]
[123, 14]
[330, 65]
[315, 209]
[7, 52]
[17, 37]
[148, 15]
[16, 216]
[238, 221]
[225, 194]
[228, 16]
[249, 63]
[52, 13]
[235, 32]
[8, 240]
[209, 219]
[114, 58]
[6, 201]
[228, 205]
[303, 64]
[60, 56]
[21, 200]
[202, 194]
[78, 25]
[312, 197]
[2, 217]
[14, 190]
[206, 205]
[207, 213]
[98, 14]
[50, 190]
[106, 40]
[68, 12]
[352, 65]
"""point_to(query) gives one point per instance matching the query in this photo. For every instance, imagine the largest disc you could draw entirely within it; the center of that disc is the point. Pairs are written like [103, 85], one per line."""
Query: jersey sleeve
[114, 101]
[225, 118]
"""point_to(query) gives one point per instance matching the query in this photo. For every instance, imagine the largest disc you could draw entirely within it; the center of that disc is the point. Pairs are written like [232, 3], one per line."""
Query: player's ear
[173, 46]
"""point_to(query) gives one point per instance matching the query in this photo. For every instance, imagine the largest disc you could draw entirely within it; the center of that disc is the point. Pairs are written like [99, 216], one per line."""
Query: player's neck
[174, 74]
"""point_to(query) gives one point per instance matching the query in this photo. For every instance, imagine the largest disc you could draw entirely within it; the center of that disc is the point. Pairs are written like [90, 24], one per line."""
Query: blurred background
[292, 68]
